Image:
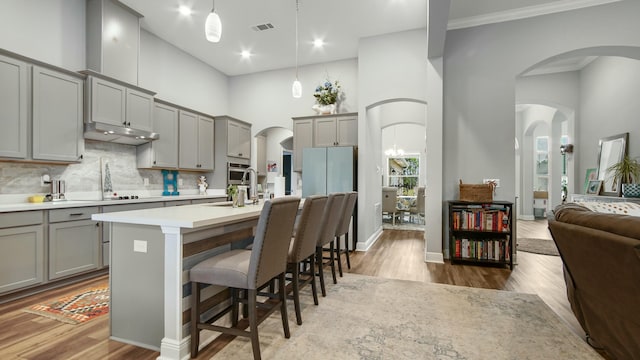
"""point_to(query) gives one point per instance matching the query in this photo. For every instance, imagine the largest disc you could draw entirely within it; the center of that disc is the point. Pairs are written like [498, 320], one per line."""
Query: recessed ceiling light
[245, 54]
[318, 43]
[184, 10]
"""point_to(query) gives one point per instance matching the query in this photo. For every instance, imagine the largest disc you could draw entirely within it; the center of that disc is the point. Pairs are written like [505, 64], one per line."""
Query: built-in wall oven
[235, 172]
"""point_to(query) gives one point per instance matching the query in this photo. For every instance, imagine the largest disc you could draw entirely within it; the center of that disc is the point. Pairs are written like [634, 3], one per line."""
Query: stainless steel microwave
[235, 172]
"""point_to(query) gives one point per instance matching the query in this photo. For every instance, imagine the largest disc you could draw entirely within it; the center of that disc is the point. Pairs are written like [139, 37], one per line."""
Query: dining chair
[301, 257]
[343, 228]
[248, 270]
[417, 209]
[390, 202]
[330, 220]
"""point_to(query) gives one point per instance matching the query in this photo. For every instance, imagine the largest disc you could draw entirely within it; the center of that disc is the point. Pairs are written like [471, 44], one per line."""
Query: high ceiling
[339, 23]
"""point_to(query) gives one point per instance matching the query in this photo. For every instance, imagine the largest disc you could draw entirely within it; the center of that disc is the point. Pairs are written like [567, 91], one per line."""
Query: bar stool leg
[333, 263]
[195, 318]
[338, 255]
[314, 288]
[320, 271]
[296, 293]
[346, 244]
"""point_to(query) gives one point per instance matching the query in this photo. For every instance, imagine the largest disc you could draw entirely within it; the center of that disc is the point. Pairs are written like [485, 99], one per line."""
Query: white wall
[51, 31]
[481, 65]
[411, 139]
[264, 99]
[180, 78]
[391, 66]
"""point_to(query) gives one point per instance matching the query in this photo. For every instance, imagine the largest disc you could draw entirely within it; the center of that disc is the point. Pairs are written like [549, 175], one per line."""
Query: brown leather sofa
[601, 256]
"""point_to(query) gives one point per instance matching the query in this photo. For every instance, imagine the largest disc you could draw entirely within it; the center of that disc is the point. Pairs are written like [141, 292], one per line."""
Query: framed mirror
[612, 150]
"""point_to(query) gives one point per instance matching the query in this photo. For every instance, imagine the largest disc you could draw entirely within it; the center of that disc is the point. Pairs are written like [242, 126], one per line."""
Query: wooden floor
[397, 254]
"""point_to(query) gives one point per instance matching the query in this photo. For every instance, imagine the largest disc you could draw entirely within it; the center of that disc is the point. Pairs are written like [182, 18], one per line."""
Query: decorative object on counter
[326, 96]
[232, 192]
[170, 179]
[627, 173]
[107, 187]
[75, 309]
[202, 185]
[590, 174]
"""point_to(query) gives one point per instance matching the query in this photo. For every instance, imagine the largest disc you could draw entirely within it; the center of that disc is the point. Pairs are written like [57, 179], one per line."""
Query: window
[541, 178]
[403, 173]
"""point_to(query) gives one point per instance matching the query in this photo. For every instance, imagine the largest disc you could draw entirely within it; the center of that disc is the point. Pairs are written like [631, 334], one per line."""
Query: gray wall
[481, 66]
[609, 105]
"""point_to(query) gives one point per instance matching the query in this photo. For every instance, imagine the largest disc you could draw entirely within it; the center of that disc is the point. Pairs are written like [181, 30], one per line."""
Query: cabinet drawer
[70, 214]
[177, 203]
[20, 218]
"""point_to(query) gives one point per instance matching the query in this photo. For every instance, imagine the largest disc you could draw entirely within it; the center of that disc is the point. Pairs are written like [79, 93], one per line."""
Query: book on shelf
[476, 249]
[480, 220]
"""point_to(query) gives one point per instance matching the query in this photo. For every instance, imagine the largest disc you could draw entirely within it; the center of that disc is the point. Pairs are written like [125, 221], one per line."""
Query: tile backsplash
[84, 177]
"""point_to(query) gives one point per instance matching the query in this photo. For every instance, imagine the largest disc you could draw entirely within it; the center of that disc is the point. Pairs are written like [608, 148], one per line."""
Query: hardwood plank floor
[397, 254]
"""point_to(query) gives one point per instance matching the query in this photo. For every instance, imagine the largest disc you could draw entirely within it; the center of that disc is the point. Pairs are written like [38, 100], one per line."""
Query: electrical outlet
[495, 181]
[180, 182]
[145, 181]
[140, 246]
[44, 179]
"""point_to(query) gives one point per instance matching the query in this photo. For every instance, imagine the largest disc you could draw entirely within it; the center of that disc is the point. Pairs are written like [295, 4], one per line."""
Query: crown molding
[523, 13]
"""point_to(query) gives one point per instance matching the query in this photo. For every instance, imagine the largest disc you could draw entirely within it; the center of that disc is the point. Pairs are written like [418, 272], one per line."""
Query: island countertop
[186, 216]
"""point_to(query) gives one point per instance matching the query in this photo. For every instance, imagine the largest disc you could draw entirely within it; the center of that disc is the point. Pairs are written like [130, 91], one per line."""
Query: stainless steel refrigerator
[328, 170]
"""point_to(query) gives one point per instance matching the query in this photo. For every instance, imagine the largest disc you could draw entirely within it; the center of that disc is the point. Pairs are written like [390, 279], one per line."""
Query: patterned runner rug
[365, 317]
[75, 309]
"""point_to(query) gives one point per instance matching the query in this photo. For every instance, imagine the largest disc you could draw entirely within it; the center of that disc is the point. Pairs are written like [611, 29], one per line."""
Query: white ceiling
[340, 23]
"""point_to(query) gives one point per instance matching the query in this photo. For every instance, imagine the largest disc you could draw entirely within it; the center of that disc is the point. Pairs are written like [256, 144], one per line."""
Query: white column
[173, 346]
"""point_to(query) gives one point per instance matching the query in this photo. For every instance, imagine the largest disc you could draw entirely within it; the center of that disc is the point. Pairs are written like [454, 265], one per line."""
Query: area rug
[538, 246]
[366, 317]
[75, 309]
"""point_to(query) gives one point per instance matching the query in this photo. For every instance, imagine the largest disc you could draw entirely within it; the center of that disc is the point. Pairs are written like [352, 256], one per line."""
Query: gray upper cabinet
[107, 102]
[13, 108]
[336, 131]
[196, 141]
[302, 138]
[139, 113]
[238, 139]
[119, 105]
[161, 153]
[57, 115]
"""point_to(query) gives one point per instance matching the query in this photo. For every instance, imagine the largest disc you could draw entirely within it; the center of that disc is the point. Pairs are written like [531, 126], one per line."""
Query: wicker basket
[476, 192]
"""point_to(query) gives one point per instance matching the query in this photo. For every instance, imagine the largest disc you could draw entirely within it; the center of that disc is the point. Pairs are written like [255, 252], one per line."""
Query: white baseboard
[370, 241]
[526, 217]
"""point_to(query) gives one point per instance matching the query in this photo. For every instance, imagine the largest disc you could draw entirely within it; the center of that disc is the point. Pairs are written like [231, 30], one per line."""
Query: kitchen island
[152, 251]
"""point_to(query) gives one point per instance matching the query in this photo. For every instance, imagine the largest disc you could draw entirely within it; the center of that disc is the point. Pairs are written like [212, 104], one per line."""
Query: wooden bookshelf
[481, 233]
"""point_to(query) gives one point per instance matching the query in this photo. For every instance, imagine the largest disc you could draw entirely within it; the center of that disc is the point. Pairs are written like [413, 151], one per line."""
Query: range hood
[118, 134]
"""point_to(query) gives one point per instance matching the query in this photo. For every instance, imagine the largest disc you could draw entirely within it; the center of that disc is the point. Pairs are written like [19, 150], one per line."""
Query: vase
[631, 190]
[324, 109]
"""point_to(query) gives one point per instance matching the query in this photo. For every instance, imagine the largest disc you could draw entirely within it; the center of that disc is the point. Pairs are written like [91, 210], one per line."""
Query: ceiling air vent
[262, 27]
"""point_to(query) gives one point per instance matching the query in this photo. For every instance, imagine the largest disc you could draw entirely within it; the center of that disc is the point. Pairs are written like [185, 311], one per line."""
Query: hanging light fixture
[213, 25]
[296, 88]
[394, 151]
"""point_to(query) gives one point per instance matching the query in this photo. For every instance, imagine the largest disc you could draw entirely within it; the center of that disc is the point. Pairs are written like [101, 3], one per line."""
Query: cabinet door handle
[75, 214]
[154, 162]
[124, 123]
[97, 224]
[240, 154]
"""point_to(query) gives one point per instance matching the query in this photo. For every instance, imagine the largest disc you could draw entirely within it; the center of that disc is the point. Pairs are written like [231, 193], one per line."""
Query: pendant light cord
[214, 6]
[297, 9]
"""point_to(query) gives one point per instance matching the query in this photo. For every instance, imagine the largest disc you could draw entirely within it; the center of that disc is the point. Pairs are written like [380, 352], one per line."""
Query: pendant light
[213, 25]
[296, 88]
[394, 151]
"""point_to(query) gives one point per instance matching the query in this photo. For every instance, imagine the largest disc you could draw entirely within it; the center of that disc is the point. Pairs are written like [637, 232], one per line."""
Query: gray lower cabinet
[21, 250]
[74, 242]
[13, 108]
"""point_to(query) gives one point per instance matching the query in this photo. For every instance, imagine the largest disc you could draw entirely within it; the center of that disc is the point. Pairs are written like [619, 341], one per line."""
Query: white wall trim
[360, 246]
[523, 13]
[526, 217]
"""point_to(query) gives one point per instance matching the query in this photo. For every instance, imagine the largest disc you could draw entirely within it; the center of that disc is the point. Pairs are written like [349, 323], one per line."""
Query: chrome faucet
[253, 184]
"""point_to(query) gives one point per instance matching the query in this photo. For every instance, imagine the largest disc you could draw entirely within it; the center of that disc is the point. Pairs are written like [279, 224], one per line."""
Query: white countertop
[48, 205]
[187, 216]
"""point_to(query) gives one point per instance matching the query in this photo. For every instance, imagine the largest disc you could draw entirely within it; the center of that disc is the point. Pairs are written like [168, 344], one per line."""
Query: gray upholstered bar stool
[343, 228]
[248, 270]
[330, 219]
[303, 248]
